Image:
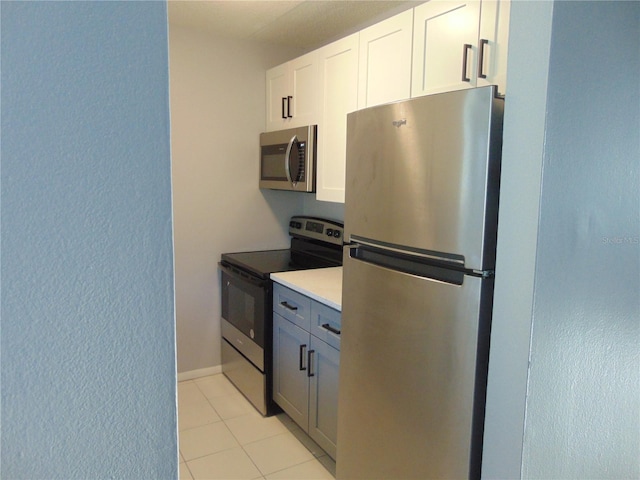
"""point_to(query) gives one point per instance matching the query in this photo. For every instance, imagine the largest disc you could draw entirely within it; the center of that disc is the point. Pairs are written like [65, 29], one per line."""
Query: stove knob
[336, 233]
[329, 232]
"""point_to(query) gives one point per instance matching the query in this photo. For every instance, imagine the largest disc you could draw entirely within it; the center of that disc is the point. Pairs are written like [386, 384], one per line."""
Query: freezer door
[413, 369]
[424, 173]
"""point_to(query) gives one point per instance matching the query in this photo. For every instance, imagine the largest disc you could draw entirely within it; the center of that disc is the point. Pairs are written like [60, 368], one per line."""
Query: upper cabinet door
[385, 61]
[304, 90]
[445, 37]
[292, 99]
[277, 93]
[493, 43]
[338, 92]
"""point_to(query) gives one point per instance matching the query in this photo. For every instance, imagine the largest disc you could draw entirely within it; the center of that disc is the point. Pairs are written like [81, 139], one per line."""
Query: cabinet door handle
[288, 306]
[483, 43]
[302, 366]
[465, 53]
[289, 99]
[284, 100]
[309, 362]
[331, 329]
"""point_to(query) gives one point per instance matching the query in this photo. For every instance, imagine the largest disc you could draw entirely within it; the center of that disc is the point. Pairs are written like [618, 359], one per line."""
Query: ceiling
[305, 24]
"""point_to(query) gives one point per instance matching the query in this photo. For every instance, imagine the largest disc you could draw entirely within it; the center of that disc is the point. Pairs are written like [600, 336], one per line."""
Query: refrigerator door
[424, 173]
[413, 366]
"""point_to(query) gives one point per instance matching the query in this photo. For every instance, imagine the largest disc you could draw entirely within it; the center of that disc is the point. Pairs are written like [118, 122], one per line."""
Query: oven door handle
[242, 276]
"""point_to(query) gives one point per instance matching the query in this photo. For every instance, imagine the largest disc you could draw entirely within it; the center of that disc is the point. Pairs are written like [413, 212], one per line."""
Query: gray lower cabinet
[323, 395]
[305, 367]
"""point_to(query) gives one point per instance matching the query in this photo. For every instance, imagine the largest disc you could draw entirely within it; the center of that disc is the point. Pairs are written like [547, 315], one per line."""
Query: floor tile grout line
[212, 406]
[286, 426]
[252, 461]
[213, 453]
[295, 465]
[186, 464]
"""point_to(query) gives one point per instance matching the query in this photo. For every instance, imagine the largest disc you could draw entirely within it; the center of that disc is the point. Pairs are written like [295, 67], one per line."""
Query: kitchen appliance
[287, 159]
[421, 216]
[247, 305]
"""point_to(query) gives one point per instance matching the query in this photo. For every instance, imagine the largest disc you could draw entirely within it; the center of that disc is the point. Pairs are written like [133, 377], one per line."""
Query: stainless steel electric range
[247, 303]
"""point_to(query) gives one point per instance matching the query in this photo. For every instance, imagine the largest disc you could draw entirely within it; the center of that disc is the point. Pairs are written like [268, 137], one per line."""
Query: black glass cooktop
[261, 263]
[303, 255]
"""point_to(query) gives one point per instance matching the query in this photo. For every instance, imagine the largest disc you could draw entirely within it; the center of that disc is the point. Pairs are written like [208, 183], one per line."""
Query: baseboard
[202, 372]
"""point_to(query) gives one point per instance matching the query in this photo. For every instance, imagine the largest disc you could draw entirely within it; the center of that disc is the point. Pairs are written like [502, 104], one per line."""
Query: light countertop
[321, 284]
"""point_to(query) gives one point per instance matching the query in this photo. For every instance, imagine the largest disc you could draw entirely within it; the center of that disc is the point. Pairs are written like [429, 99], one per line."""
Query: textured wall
[563, 396]
[88, 344]
[523, 146]
[583, 407]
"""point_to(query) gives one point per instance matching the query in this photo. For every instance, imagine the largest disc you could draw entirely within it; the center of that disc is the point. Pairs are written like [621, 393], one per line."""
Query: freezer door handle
[406, 262]
[421, 255]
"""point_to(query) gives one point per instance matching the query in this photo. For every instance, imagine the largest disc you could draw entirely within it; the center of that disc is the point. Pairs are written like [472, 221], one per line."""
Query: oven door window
[243, 305]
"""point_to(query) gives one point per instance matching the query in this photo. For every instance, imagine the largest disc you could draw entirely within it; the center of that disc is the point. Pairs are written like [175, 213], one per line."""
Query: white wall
[568, 406]
[314, 208]
[217, 113]
[87, 344]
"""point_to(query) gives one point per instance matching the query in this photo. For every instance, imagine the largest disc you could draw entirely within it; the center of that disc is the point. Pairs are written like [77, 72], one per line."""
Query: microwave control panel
[329, 231]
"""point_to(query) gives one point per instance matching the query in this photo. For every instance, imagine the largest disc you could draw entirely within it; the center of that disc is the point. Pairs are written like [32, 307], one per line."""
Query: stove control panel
[330, 231]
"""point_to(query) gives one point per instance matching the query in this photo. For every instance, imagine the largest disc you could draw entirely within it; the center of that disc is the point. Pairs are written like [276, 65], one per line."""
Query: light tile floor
[223, 437]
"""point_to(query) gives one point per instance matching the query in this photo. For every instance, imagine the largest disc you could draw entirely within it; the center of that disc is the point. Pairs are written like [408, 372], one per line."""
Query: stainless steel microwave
[287, 159]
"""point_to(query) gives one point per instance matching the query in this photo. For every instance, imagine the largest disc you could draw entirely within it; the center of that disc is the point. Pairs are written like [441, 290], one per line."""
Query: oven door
[244, 302]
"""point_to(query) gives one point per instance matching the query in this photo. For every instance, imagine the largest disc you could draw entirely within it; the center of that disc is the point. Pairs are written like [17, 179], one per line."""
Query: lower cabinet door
[324, 362]
[290, 369]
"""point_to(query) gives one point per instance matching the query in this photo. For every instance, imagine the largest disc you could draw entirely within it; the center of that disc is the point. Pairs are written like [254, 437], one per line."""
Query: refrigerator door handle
[406, 262]
[457, 260]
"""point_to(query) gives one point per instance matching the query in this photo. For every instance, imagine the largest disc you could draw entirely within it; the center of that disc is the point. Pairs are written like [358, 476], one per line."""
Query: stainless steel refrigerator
[421, 216]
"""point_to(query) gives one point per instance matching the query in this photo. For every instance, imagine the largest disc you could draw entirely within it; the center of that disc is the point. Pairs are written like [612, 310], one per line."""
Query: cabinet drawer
[325, 324]
[291, 305]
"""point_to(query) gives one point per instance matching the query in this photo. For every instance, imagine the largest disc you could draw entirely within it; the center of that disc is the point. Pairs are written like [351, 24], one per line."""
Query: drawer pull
[288, 306]
[331, 329]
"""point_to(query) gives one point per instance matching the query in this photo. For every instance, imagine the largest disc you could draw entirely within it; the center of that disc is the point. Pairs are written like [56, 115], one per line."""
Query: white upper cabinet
[277, 93]
[459, 44]
[494, 41]
[438, 46]
[292, 93]
[385, 61]
[445, 34]
[338, 75]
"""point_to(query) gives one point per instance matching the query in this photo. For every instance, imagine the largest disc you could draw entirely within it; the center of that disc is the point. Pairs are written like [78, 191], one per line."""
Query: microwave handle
[287, 155]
